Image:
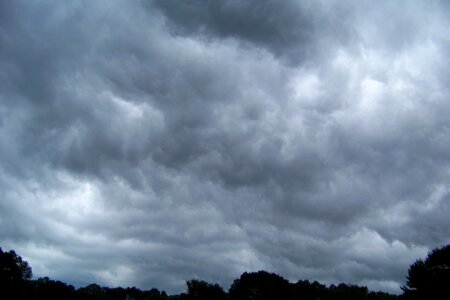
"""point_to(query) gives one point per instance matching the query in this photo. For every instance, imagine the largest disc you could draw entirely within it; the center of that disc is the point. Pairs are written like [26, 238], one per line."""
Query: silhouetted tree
[92, 292]
[430, 279]
[154, 294]
[382, 296]
[260, 286]
[47, 289]
[13, 268]
[306, 290]
[426, 280]
[118, 293]
[202, 290]
[14, 275]
[348, 292]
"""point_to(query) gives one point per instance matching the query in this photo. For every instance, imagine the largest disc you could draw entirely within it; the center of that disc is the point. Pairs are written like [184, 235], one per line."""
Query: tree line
[426, 279]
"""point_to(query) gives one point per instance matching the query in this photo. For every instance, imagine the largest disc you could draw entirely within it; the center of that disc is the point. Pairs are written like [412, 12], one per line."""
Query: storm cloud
[146, 143]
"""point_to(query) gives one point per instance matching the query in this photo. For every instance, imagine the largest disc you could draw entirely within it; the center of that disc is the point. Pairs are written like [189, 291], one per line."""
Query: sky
[147, 143]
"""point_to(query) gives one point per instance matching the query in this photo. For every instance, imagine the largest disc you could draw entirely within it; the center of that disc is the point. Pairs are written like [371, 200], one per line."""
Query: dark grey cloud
[150, 143]
[292, 30]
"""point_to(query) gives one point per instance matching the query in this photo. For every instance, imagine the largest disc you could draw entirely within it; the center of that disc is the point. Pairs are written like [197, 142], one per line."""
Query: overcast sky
[146, 143]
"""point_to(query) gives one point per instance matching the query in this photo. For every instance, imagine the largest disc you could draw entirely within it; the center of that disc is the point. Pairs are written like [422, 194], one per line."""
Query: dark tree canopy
[14, 275]
[13, 268]
[47, 289]
[202, 290]
[261, 285]
[430, 279]
[427, 279]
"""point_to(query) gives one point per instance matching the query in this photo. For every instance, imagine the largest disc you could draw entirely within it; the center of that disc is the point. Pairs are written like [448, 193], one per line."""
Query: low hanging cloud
[152, 142]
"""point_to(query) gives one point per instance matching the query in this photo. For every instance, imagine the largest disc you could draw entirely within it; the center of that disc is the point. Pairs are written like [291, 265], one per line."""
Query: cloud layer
[148, 143]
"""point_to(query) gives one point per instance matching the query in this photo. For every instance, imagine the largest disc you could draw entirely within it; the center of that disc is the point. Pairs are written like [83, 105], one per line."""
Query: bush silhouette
[14, 275]
[430, 279]
[202, 290]
[261, 285]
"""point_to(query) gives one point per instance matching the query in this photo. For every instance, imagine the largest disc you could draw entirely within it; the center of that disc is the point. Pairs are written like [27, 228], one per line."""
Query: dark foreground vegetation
[429, 279]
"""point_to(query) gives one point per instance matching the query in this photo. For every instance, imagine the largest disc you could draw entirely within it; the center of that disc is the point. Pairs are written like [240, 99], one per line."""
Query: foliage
[306, 290]
[202, 290]
[260, 285]
[47, 289]
[14, 275]
[427, 279]
[13, 268]
[430, 279]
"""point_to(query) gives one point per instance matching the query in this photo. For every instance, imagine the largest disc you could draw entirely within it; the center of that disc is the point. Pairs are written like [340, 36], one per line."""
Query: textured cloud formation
[148, 143]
